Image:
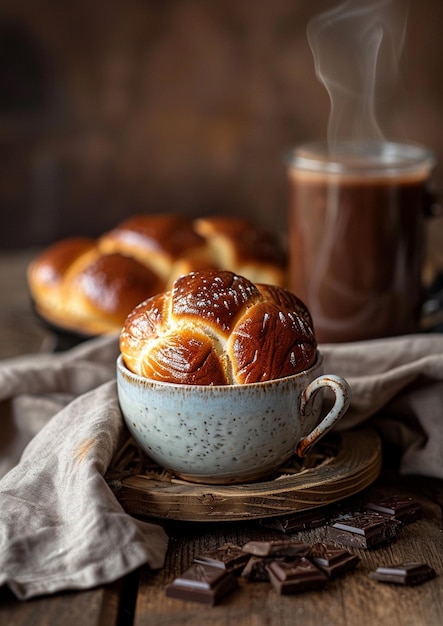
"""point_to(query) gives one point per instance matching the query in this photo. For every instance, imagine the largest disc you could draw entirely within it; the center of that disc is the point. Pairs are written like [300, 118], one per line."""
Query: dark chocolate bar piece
[296, 576]
[401, 508]
[410, 573]
[276, 548]
[202, 583]
[305, 520]
[332, 560]
[365, 530]
[228, 557]
[255, 569]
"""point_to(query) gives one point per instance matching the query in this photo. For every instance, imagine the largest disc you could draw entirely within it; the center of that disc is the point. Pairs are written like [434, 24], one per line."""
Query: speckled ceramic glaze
[232, 433]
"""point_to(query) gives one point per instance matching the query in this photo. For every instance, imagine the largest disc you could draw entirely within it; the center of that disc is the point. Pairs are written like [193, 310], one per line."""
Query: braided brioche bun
[216, 328]
[89, 286]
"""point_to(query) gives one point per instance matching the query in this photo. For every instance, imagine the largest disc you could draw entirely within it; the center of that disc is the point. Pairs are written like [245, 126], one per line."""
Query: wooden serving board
[337, 468]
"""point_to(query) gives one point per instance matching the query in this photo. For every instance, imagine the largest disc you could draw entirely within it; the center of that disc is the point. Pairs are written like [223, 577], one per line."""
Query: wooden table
[140, 599]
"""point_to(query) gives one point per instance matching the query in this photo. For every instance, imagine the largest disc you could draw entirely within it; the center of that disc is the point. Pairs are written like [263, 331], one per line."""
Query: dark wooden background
[109, 108]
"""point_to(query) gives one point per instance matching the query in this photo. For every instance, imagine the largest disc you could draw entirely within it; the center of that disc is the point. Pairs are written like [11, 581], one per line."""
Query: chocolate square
[332, 560]
[409, 573]
[365, 530]
[202, 583]
[228, 557]
[401, 508]
[276, 548]
[255, 569]
[296, 576]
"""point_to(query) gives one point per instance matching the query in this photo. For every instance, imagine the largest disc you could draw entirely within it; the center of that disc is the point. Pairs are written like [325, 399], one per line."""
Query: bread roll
[217, 328]
[77, 288]
[161, 242]
[239, 246]
[90, 286]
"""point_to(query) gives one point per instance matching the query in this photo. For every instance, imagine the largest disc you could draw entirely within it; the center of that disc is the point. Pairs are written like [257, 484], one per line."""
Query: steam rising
[356, 48]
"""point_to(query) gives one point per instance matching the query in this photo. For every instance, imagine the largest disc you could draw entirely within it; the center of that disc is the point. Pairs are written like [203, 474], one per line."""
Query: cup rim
[363, 158]
[125, 371]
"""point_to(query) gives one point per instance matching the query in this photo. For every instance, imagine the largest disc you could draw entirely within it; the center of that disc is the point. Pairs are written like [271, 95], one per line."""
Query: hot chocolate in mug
[357, 236]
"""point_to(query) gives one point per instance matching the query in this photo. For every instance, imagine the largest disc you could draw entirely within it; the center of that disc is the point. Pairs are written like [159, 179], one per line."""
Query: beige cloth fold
[398, 383]
[61, 526]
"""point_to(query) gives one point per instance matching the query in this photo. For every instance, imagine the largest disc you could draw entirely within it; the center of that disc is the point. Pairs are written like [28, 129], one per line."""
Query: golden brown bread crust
[49, 268]
[238, 245]
[108, 285]
[158, 241]
[214, 328]
[88, 292]
[90, 286]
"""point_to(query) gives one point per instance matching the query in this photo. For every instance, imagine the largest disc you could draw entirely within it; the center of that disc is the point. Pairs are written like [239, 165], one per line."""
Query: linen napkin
[61, 527]
[398, 383]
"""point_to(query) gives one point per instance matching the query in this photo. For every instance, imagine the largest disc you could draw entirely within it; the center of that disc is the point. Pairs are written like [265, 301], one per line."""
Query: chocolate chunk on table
[305, 520]
[365, 530]
[410, 573]
[296, 576]
[332, 560]
[255, 569]
[228, 557]
[276, 548]
[401, 508]
[202, 583]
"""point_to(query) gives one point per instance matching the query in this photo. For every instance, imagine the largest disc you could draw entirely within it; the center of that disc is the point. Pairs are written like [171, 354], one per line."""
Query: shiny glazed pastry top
[89, 286]
[215, 328]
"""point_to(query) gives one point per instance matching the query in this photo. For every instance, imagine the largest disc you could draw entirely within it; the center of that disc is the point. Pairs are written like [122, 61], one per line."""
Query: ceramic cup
[232, 433]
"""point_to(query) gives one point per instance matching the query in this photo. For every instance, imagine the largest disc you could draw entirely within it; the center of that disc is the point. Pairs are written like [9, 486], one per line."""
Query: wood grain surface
[97, 607]
[352, 600]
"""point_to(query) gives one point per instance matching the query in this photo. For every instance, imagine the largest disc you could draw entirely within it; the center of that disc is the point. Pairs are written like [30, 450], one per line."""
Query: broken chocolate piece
[365, 530]
[202, 583]
[409, 573]
[305, 520]
[255, 569]
[332, 560]
[276, 548]
[401, 508]
[296, 576]
[228, 557]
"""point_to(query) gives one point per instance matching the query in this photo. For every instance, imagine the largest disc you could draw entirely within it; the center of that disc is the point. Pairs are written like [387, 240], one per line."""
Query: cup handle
[342, 393]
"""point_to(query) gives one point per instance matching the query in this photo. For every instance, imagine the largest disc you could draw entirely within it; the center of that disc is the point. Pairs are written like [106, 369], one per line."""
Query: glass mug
[357, 236]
